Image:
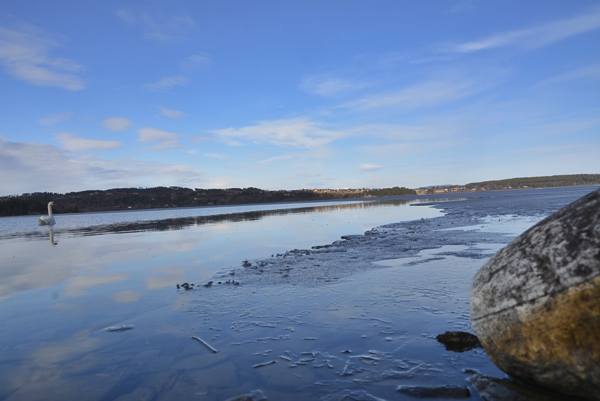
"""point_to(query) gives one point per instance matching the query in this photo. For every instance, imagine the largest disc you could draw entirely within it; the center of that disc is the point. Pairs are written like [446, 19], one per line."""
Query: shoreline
[315, 200]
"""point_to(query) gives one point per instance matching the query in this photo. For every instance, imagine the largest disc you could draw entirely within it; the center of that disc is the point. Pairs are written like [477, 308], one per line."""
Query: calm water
[60, 287]
[358, 338]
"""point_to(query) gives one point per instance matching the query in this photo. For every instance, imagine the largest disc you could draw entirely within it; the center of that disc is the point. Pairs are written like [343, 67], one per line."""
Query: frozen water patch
[478, 251]
[508, 224]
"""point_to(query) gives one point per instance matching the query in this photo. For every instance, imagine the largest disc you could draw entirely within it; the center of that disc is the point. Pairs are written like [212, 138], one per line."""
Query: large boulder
[535, 305]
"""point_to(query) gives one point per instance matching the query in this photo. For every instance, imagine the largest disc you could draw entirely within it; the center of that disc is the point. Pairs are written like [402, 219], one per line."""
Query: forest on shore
[170, 197]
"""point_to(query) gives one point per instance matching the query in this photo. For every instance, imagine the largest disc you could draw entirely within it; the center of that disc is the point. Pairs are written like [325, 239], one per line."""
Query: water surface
[370, 327]
[61, 286]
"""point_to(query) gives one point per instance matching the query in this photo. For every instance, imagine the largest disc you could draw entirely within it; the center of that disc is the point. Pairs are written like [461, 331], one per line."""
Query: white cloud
[298, 133]
[24, 54]
[167, 140]
[166, 83]
[329, 86]
[116, 124]
[369, 167]
[534, 37]
[161, 28]
[70, 141]
[31, 167]
[171, 113]
[55, 118]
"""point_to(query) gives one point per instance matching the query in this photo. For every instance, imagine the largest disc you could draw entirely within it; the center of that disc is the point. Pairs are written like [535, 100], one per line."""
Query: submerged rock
[535, 305]
[254, 395]
[458, 341]
[447, 392]
[494, 389]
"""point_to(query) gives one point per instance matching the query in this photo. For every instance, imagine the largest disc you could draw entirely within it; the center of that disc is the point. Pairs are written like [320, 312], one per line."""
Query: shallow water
[368, 328]
[60, 287]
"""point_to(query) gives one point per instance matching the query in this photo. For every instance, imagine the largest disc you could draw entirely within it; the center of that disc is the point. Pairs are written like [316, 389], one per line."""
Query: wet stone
[245, 397]
[445, 392]
[458, 341]
[535, 305]
[494, 389]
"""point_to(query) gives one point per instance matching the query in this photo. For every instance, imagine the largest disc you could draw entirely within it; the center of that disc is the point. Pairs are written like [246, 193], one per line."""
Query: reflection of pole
[52, 242]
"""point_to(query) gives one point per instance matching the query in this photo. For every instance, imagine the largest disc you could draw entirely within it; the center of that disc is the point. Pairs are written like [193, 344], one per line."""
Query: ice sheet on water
[508, 224]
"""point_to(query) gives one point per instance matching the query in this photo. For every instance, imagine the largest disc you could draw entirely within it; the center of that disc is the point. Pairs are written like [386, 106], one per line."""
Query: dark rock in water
[493, 389]
[254, 395]
[458, 341]
[449, 391]
[244, 397]
[535, 305]
[245, 263]
[209, 284]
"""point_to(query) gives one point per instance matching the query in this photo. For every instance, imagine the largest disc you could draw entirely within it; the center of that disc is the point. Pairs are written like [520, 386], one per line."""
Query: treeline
[394, 191]
[168, 197]
[536, 182]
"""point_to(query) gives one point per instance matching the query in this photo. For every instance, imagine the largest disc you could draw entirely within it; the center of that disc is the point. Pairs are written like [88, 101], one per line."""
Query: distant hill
[518, 183]
[537, 182]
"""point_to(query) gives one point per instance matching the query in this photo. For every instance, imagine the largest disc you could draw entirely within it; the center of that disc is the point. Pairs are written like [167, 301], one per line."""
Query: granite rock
[535, 305]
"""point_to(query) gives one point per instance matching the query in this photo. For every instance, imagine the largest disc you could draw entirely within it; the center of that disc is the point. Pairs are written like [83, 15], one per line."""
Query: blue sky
[295, 94]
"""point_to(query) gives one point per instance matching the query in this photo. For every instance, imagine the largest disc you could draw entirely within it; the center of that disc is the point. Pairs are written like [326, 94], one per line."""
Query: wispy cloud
[420, 95]
[551, 149]
[591, 72]
[171, 113]
[55, 118]
[408, 132]
[215, 155]
[25, 54]
[277, 159]
[196, 61]
[188, 66]
[116, 124]
[160, 28]
[166, 83]
[367, 167]
[534, 37]
[167, 140]
[329, 86]
[70, 141]
[297, 133]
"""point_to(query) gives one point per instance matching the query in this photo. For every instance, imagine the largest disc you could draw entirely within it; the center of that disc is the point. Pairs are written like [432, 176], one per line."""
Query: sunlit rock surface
[535, 305]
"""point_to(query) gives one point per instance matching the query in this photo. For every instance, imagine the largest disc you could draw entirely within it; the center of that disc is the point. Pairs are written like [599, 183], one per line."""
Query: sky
[295, 94]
